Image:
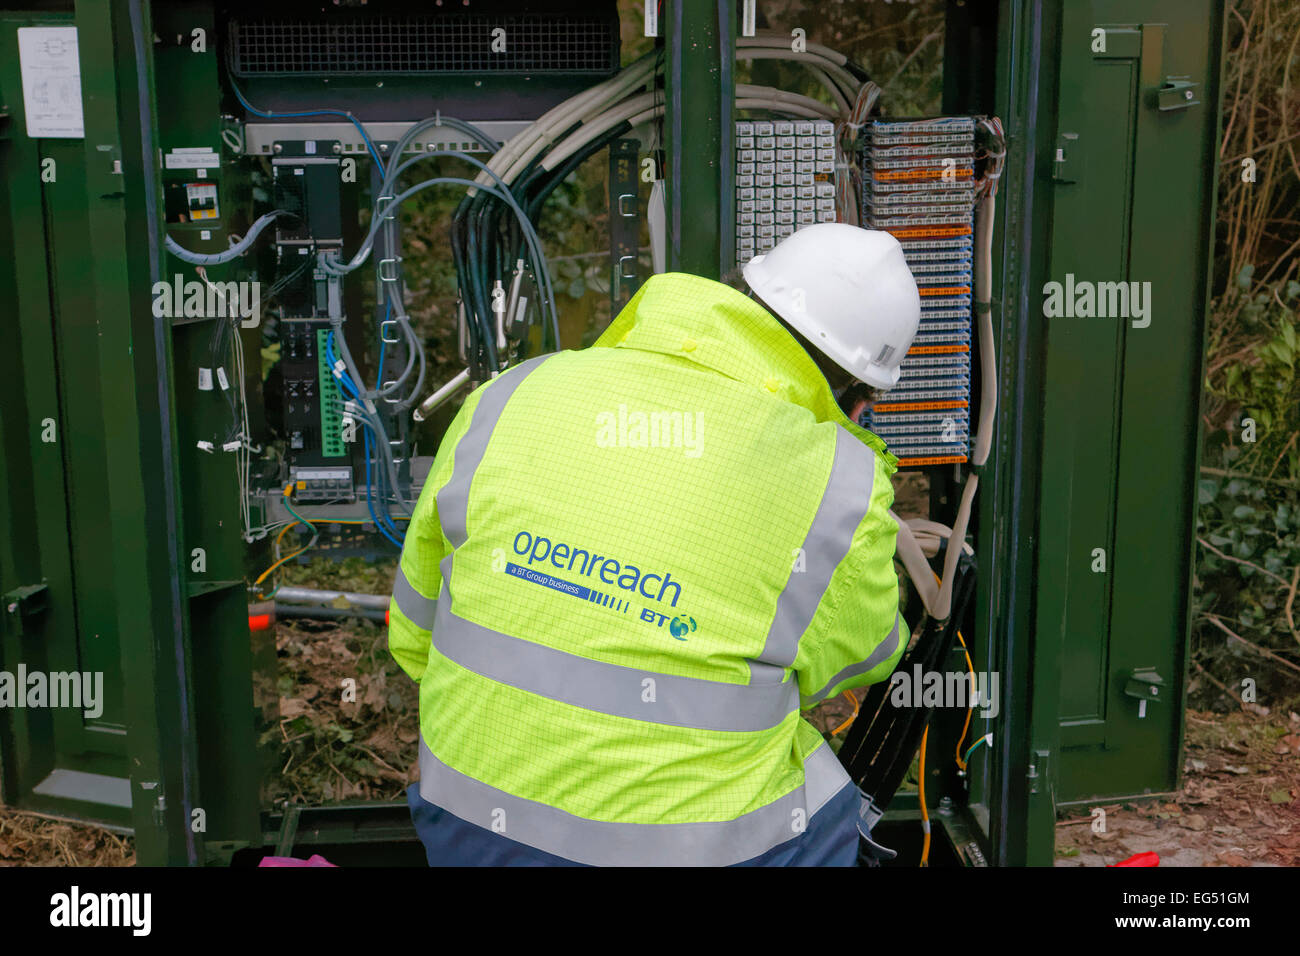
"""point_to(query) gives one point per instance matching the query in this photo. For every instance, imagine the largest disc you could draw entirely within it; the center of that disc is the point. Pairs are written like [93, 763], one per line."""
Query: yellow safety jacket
[629, 569]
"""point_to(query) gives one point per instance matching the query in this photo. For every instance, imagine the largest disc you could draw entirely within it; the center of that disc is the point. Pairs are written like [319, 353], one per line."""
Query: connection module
[919, 185]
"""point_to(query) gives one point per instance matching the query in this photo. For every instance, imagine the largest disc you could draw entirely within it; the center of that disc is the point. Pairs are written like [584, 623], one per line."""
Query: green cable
[983, 739]
[301, 519]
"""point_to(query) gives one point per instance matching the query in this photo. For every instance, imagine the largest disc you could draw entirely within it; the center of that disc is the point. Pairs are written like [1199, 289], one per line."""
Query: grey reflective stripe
[603, 843]
[417, 608]
[844, 504]
[607, 688]
[453, 497]
[882, 652]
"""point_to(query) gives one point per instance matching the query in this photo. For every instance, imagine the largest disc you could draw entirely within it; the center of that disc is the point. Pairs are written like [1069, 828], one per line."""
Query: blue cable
[384, 526]
[382, 519]
[383, 345]
[383, 351]
[374, 153]
[370, 498]
[342, 377]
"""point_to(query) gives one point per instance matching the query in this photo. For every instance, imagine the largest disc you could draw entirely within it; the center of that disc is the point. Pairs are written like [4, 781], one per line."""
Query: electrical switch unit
[201, 201]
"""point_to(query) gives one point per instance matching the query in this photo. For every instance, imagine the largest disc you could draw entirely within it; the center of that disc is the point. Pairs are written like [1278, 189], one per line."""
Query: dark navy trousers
[831, 838]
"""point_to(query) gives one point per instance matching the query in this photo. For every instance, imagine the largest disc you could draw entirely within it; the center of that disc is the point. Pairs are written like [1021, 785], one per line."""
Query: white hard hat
[848, 291]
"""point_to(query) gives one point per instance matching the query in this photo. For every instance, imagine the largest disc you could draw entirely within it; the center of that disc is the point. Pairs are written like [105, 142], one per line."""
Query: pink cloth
[314, 860]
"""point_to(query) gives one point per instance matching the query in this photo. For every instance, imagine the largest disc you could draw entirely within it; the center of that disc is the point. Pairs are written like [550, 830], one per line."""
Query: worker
[632, 566]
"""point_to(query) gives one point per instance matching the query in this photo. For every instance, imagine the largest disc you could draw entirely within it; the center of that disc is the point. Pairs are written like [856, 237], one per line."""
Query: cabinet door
[1132, 215]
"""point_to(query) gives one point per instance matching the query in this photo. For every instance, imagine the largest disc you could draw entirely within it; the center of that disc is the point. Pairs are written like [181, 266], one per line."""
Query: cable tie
[339, 368]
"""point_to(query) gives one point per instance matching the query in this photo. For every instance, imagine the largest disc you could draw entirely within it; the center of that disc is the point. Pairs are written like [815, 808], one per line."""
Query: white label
[205, 234]
[201, 173]
[309, 147]
[221, 378]
[51, 82]
[199, 158]
[205, 380]
[652, 18]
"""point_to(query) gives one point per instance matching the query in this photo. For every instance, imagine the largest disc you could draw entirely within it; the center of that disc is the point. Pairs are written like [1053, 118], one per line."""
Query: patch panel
[785, 178]
[918, 185]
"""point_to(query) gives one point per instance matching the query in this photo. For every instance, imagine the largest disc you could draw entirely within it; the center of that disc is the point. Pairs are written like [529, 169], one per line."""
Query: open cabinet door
[65, 746]
[1086, 515]
[1132, 212]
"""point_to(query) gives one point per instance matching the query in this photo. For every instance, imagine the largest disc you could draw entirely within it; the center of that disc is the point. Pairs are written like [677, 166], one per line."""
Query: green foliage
[1257, 523]
[1250, 489]
[1261, 380]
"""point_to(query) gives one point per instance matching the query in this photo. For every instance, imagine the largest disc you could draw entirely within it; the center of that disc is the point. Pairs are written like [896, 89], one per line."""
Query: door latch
[1067, 160]
[23, 604]
[1176, 93]
[1144, 684]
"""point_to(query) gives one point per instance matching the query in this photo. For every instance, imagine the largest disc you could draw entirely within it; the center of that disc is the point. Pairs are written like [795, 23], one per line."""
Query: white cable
[911, 552]
[827, 59]
[988, 399]
[982, 303]
[524, 146]
[798, 112]
[931, 534]
[814, 66]
[593, 128]
[918, 569]
[783, 100]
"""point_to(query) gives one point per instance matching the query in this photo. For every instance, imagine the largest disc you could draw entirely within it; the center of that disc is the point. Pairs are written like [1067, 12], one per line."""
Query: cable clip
[393, 261]
[339, 368]
[383, 337]
[380, 201]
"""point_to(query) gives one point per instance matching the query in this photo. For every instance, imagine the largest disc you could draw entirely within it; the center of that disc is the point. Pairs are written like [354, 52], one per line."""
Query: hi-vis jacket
[631, 566]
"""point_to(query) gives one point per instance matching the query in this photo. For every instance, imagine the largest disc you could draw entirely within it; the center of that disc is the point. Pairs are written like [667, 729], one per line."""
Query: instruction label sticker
[51, 82]
[191, 157]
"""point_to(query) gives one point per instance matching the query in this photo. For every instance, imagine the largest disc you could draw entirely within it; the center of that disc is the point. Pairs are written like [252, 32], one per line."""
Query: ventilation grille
[423, 45]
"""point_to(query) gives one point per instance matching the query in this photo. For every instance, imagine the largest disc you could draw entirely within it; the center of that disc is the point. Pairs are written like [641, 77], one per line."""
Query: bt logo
[678, 626]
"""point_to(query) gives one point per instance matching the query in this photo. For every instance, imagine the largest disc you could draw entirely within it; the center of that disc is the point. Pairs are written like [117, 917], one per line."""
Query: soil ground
[349, 722]
[1239, 806]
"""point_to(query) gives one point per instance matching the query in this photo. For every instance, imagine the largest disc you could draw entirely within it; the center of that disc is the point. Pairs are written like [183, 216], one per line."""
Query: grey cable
[234, 252]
